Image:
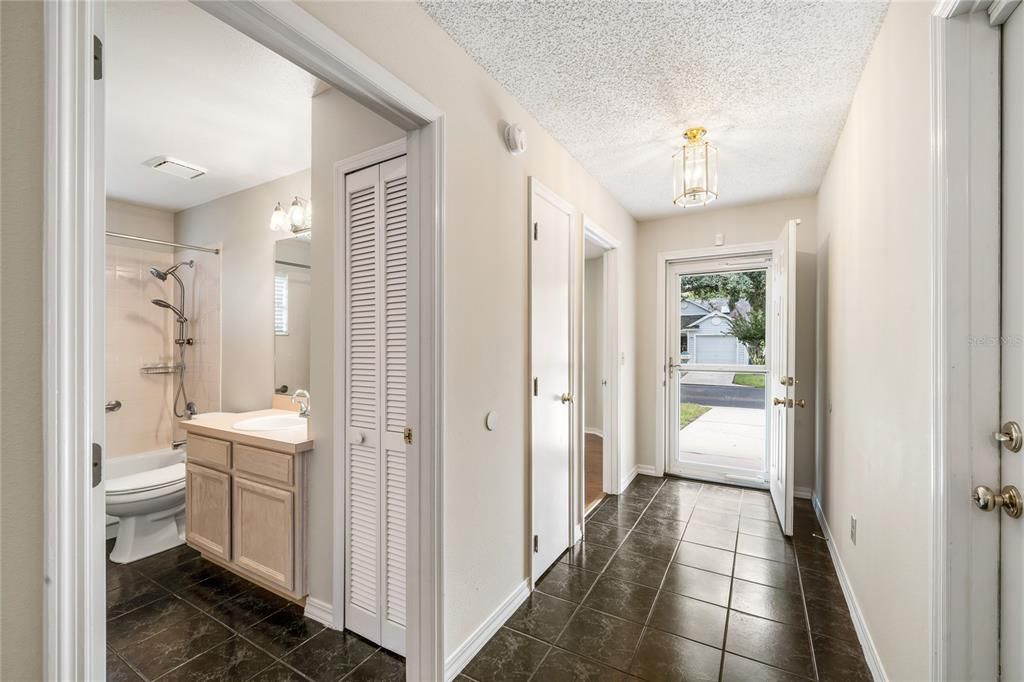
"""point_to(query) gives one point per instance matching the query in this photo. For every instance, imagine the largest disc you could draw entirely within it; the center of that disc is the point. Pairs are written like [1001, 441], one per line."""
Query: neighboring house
[705, 333]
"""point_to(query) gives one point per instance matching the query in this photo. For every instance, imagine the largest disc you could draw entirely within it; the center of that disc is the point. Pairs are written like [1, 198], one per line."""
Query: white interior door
[552, 222]
[1012, 408]
[376, 402]
[781, 363]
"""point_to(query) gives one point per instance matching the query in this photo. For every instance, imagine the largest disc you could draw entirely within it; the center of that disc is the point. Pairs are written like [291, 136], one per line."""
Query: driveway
[722, 395]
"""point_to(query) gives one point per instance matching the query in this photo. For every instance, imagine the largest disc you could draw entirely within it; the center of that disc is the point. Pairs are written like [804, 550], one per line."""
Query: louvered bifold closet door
[362, 408]
[394, 329]
[377, 301]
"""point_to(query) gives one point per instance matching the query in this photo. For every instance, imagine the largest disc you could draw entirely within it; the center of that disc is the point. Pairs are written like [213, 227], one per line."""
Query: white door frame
[664, 258]
[574, 532]
[74, 595]
[965, 159]
[611, 398]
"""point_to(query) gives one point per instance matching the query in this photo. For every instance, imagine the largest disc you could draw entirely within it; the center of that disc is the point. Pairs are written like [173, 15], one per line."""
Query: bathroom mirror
[291, 314]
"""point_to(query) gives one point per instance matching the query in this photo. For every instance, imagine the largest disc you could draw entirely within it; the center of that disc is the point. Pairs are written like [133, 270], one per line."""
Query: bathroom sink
[276, 422]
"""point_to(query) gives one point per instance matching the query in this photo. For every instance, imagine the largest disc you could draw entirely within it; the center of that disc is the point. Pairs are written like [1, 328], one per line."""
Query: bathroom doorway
[172, 313]
[600, 367]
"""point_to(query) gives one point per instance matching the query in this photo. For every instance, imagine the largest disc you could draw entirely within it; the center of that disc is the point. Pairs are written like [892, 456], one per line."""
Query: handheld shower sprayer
[180, 340]
[160, 303]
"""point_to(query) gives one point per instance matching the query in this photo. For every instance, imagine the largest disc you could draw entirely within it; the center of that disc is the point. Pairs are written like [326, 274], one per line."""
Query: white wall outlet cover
[491, 420]
[515, 139]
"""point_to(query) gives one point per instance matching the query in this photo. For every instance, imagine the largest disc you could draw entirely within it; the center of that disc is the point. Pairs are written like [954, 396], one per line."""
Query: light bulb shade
[297, 214]
[279, 220]
[695, 174]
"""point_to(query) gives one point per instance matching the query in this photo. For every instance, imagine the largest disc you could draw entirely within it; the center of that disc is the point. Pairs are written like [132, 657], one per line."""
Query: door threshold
[752, 482]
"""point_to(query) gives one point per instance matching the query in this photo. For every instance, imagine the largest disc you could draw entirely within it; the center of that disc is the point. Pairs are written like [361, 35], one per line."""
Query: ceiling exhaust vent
[179, 169]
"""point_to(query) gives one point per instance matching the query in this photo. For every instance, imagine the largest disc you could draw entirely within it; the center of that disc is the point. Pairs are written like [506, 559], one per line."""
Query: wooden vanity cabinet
[246, 511]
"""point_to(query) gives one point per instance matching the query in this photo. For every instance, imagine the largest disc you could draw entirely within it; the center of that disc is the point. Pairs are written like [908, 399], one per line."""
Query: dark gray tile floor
[176, 616]
[678, 580]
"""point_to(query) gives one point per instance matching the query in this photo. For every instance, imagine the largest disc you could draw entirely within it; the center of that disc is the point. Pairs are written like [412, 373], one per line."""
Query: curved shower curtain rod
[121, 235]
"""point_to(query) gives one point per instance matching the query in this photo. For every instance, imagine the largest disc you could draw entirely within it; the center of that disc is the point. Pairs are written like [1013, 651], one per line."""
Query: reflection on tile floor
[682, 580]
[176, 616]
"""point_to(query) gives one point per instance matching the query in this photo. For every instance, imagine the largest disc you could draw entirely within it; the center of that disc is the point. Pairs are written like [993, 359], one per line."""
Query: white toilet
[150, 509]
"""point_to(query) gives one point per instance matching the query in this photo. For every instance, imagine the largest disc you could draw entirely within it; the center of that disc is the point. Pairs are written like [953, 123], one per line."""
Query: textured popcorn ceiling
[617, 82]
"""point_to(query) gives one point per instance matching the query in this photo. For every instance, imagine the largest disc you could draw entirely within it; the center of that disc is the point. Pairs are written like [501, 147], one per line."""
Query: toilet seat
[154, 480]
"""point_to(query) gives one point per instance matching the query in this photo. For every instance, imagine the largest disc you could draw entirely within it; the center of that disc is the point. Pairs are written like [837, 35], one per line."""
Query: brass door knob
[1008, 499]
[566, 398]
[778, 401]
[801, 403]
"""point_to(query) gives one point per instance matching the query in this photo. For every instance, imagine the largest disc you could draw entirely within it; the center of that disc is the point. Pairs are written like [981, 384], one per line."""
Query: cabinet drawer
[209, 451]
[273, 466]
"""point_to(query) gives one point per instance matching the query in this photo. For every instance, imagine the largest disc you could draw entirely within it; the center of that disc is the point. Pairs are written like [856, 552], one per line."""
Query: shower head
[162, 274]
[160, 303]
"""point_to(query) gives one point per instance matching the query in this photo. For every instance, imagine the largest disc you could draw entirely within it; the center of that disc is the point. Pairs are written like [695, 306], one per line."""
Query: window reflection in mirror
[291, 314]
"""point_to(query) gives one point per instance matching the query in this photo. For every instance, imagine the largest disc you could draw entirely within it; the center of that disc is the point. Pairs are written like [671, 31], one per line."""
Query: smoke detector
[175, 167]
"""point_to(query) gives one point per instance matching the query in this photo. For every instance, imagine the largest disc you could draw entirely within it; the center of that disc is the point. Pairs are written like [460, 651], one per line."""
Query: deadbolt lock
[1010, 436]
[1008, 499]
[786, 381]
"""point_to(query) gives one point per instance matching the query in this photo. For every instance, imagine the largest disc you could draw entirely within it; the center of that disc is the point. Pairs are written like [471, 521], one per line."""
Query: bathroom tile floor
[176, 616]
[678, 580]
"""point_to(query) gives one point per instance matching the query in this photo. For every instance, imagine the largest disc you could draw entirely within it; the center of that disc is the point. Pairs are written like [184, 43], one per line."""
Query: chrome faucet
[301, 396]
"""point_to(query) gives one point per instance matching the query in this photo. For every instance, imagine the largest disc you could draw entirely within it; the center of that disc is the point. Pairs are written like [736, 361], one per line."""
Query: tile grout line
[590, 589]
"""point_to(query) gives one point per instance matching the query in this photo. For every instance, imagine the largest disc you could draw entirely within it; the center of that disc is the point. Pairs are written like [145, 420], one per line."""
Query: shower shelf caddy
[161, 368]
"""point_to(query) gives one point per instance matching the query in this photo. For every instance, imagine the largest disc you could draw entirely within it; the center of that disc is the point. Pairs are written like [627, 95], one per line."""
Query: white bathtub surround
[137, 332]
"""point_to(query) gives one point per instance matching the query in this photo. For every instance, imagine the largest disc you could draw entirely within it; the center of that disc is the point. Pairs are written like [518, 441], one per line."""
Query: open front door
[781, 363]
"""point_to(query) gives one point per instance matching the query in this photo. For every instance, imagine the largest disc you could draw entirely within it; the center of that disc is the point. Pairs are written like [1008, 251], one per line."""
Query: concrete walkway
[707, 378]
[725, 436]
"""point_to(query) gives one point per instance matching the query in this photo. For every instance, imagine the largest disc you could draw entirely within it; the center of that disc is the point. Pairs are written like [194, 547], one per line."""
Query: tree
[749, 330]
[735, 287]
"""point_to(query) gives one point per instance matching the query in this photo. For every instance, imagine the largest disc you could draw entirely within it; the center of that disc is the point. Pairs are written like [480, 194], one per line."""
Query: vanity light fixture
[278, 220]
[297, 219]
[695, 171]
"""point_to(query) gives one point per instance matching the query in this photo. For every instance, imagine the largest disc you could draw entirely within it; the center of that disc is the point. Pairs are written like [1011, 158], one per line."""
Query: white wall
[874, 268]
[485, 261]
[696, 229]
[593, 341]
[239, 224]
[21, 341]
[137, 332]
[341, 128]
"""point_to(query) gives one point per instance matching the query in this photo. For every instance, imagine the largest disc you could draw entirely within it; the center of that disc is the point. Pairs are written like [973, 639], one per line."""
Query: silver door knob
[1010, 436]
[1008, 499]
[113, 406]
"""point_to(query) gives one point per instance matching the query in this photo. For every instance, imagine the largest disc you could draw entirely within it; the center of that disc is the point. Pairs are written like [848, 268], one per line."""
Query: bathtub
[113, 467]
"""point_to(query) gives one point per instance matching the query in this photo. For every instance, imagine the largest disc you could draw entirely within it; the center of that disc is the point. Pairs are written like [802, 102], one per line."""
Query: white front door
[552, 242]
[781, 364]
[1012, 408]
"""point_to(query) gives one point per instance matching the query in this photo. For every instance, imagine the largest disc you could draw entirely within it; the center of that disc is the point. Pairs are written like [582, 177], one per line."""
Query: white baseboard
[646, 470]
[320, 611]
[803, 493]
[594, 432]
[461, 657]
[866, 643]
[628, 478]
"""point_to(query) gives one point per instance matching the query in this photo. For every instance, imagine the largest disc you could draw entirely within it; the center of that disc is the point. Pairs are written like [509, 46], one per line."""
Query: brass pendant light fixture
[695, 171]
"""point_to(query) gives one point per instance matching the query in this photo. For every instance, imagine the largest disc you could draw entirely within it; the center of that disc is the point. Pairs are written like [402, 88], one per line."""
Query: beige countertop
[219, 425]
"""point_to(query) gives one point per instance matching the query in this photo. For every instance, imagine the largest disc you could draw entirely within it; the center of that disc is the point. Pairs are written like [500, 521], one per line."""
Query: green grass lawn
[752, 380]
[688, 412]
